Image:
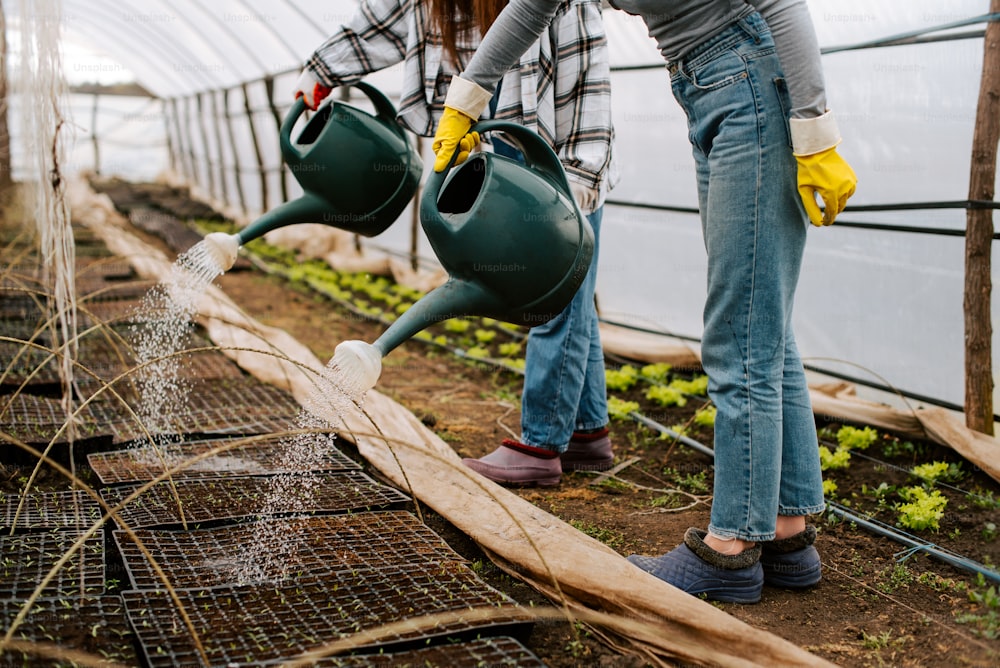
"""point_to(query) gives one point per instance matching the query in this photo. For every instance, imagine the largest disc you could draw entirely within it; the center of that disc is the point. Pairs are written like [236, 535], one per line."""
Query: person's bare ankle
[789, 525]
[727, 545]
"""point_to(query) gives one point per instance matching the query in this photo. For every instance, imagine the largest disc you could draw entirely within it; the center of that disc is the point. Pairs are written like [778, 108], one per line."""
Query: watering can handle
[537, 153]
[384, 109]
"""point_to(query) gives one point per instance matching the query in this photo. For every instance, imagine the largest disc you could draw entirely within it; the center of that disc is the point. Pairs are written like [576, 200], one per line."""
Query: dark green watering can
[510, 236]
[358, 172]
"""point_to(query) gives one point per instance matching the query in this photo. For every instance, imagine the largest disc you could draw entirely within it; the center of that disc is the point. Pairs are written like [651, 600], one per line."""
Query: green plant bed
[921, 489]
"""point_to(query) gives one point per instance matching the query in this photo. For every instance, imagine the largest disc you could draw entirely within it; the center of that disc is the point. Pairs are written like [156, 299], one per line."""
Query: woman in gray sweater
[749, 77]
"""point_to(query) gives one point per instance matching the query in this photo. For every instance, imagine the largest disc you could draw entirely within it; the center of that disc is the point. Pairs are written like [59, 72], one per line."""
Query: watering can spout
[223, 249]
[455, 298]
[308, 208]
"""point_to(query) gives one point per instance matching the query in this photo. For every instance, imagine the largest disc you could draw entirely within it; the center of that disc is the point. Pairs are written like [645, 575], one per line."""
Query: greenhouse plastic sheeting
[877, 306]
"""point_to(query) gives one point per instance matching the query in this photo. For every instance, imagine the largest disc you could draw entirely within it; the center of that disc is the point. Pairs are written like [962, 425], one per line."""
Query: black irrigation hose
[912, 542]
[969, 205]
[656, 426]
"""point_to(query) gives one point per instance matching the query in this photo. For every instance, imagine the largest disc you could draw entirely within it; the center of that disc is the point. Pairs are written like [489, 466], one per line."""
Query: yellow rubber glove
[467, 145]
[828, 175]
[451, 130]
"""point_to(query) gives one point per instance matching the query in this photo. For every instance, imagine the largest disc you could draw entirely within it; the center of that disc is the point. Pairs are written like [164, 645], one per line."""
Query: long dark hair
[456, 17]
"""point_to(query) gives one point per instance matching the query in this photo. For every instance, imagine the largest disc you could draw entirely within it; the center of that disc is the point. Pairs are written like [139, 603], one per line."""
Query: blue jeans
[766, 454]
[564, 369]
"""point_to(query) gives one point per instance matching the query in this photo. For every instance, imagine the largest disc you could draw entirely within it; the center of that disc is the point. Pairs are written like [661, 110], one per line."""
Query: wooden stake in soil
[979, 239]
[6, 179]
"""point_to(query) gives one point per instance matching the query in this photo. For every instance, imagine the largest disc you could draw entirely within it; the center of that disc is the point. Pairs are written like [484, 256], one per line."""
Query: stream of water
[161, 333]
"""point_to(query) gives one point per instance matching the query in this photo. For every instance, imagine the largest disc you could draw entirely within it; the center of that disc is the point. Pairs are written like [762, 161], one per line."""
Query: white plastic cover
[879, 305]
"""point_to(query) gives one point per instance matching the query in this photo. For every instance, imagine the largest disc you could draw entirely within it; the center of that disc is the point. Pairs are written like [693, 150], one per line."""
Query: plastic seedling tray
[310, 548]
[222, 500]
[305, 452]
[19, 358]
[112, 311]
[499, 652]
[112, 291]
[217, 407]
[96, 625]
[38, 420]
[247, 623]
[49, 510]
[26, 558]
[93, 276]
[16, 304]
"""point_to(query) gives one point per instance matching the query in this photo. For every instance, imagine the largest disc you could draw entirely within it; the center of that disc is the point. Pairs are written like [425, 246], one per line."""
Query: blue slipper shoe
[697, 569]
[792, 562]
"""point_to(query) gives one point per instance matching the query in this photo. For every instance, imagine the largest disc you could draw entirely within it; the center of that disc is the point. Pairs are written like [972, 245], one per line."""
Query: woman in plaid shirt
[560, 88]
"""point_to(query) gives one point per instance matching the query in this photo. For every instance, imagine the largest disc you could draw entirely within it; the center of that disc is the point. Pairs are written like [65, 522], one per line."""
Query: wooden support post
[203, 139]
[979, 239]
[166, 133]
[234, 149]
[282, 172]
[264, 204]
[6, 175]
[213, 104]
[185, 166]
[93, 134]
[189, 140]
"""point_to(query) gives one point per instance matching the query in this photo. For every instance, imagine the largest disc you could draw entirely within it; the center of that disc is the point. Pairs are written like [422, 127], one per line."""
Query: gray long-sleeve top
[677, 26]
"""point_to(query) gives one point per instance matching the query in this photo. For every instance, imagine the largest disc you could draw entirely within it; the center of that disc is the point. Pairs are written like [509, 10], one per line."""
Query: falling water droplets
[161, 331]
[270, 554]
[160, 335]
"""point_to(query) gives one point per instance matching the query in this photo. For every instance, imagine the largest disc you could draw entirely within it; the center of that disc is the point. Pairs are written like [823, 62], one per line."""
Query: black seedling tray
[92, 276]
[499, 652]
[96, 353]
[303, 452]
[49, 510]
[255, 624]
[221, 500]
[96, 625]
[311, 547]
[217, 407]
[26, 558]
[17, 304]
[39, 420]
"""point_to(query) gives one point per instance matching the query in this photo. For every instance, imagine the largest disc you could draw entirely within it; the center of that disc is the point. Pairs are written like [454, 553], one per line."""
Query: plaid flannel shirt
[561, 88]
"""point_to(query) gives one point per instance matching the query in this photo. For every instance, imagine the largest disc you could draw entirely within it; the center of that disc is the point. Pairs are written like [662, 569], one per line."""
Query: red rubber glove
[310, 89]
